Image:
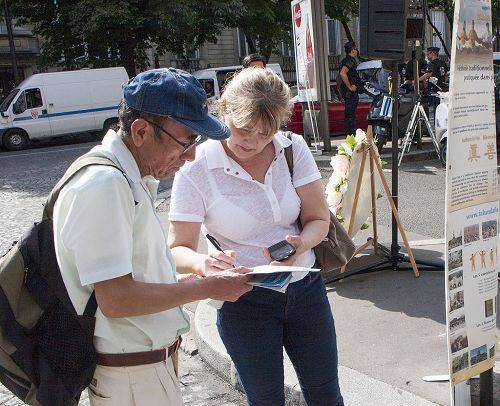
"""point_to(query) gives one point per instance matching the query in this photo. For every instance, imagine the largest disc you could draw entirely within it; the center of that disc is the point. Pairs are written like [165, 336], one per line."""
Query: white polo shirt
[243, 214]
[106, 227]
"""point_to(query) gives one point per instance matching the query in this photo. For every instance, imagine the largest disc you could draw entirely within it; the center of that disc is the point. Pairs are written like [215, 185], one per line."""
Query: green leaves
[351, 141]
[120, 32]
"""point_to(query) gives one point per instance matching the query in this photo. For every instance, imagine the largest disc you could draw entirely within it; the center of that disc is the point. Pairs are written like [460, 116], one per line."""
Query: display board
[472, 209]
[304, 50]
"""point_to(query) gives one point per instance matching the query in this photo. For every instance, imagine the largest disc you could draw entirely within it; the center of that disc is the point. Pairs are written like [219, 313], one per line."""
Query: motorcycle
[380, 115]
[441, 118]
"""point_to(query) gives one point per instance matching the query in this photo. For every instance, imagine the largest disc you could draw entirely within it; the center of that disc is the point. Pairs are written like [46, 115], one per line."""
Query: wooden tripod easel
[368, 151]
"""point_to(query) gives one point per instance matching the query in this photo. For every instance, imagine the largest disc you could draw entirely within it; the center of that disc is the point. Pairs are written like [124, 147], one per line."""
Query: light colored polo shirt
[106, 227]
[243, 214]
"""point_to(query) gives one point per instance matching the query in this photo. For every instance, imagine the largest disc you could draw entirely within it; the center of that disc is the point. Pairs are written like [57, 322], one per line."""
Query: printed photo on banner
[456, 280]
[455, 241]
[478, 354]
[461, 362]
[489, 229]
[458, 321]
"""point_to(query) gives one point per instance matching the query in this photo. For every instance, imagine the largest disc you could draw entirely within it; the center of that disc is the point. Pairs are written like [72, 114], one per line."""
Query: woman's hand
[218, 261]
[294, 240]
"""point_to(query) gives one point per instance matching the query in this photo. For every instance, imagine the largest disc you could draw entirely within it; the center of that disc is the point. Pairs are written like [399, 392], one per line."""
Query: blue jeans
[255, 329]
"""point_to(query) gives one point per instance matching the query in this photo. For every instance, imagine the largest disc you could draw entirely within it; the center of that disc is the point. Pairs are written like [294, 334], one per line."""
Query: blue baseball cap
[177, 95]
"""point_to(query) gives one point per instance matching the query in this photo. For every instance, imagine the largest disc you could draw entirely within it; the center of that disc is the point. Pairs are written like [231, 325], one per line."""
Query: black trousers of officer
[351, 103]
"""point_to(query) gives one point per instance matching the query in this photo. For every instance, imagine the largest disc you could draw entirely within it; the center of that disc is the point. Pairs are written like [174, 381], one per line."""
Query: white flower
[340, 164]
[360, 136]
[330, 186]
[343, 187]
[334, 199]
[347, 149]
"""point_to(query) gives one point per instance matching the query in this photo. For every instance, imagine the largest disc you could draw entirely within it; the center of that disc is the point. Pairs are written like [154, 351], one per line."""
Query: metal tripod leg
[410, 132]
[424, 118]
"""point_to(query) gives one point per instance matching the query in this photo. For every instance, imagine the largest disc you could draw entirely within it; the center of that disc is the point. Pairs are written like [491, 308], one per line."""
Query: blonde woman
[240, 191]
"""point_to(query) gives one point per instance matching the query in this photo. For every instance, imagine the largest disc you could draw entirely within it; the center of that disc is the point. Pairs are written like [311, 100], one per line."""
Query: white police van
[54, 104]
[213, 81]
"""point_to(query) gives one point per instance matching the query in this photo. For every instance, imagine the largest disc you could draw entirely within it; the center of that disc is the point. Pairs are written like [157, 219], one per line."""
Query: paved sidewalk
[390, 331]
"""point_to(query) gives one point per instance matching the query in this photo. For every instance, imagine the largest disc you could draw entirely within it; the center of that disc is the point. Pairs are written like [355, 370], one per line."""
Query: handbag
[337, 249]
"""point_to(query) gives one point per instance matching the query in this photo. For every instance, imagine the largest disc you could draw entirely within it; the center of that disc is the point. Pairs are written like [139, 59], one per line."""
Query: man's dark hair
[349, 46]
[127, 115]
[247, 60]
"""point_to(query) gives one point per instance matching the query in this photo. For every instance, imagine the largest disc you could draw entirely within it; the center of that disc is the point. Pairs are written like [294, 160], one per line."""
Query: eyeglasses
[185, 145]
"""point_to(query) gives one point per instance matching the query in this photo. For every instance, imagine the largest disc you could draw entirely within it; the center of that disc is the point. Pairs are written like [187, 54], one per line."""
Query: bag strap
[91, 306]
[289, 153]
[48, 211]
[74, 168]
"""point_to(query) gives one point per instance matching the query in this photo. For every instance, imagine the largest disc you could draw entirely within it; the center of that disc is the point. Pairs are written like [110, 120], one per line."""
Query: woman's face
[247, 142]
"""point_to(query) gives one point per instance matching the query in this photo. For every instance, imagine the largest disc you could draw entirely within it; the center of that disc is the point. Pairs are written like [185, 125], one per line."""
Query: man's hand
[353, 88]
[188, 277]
[227, 285]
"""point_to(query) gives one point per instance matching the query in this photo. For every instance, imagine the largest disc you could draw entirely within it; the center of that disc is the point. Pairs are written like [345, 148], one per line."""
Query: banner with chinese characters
[472, 209]
[304, 50]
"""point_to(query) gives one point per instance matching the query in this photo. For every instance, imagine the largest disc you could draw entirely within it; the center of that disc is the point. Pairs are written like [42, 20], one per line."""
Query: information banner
[472, 209]
[304, 50]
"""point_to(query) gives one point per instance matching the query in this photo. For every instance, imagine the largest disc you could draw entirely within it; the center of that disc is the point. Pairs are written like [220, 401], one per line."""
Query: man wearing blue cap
[108, 238]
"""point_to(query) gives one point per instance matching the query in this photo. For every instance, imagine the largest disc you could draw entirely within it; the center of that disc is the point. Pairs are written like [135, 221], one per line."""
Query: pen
[214, 242]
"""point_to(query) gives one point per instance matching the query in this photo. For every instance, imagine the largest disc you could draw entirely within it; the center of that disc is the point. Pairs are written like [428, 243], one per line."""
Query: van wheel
[110, 124]
[442, 153]
[15, 140]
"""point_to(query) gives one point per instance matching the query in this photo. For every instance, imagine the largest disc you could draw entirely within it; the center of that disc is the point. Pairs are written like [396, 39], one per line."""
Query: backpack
[47, 355]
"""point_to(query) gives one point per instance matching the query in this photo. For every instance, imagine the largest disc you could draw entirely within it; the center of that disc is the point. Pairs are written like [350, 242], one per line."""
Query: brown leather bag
[337, 249]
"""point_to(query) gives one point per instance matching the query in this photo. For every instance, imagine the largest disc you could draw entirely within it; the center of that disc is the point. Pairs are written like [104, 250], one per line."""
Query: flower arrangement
[339, 180]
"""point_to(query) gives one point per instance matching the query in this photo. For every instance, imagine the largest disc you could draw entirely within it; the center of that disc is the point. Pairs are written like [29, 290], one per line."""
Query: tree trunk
[251, 45]
[347, 31]
[127, 57]
[438, 33]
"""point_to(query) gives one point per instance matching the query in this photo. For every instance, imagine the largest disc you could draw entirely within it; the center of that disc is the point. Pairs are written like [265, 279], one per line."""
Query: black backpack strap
[74, 168]
[289, 153]
[91, 307]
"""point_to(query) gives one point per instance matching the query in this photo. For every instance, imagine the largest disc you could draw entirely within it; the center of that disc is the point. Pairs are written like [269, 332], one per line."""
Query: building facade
[232, 46]
[27, 50]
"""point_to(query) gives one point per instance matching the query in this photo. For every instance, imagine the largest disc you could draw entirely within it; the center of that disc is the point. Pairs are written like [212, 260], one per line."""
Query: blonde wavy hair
[256, 95]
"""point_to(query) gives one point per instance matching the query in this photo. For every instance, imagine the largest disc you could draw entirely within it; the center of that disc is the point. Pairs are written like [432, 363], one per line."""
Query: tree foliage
[266, 24]
[343, 11]
[103, 33]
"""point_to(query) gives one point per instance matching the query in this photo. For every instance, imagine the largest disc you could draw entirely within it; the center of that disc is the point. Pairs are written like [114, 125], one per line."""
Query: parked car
[59, 103]
[335, 113]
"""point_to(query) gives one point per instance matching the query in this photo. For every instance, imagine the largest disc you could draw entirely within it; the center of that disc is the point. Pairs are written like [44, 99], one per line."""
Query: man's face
[162, 156]
[256, 64]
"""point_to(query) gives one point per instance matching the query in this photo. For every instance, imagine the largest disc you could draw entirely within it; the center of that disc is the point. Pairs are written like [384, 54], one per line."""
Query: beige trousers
[145, 385]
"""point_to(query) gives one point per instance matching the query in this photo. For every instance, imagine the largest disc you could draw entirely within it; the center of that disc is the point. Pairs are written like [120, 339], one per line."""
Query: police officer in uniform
[435, 68]
[351, 83]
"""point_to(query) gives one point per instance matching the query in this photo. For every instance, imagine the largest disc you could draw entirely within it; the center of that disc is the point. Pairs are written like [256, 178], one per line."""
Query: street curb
[213, 353]
[357, 388]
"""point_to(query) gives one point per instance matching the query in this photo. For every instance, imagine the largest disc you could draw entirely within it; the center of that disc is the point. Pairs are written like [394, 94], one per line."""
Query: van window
[208, 85]
[8, 99]
[20, 104]
[224, 76]
[33, 98]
